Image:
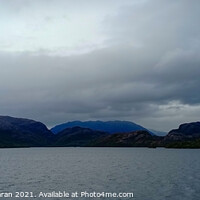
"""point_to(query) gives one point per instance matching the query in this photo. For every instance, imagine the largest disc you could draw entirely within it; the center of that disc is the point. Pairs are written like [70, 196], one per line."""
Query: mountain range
[108, 126]
[19, 132]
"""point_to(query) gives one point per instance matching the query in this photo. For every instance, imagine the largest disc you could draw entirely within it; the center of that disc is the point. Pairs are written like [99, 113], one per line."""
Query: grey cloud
[148, 72]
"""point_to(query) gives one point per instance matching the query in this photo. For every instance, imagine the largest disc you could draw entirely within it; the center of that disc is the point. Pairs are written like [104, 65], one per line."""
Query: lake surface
[157, 174]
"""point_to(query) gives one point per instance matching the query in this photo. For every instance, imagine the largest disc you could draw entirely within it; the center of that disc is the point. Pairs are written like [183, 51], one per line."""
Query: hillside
[187, 131]
[77, 136]
[19, 132]
[132, 139]
[107, 126]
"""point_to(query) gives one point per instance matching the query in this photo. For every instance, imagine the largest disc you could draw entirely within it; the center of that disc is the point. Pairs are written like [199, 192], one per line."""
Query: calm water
[157, 174]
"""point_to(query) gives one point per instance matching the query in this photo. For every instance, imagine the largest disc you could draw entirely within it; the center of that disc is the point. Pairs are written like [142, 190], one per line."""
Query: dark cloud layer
[147, 72]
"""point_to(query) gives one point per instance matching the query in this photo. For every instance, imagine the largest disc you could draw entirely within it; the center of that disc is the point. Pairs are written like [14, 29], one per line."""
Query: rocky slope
[132, 139]
[187, 131]
[186, 136]
[77, 136]
[18, 132]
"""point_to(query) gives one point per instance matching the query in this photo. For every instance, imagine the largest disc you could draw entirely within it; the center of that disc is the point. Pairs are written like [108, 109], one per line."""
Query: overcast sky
[136, 60]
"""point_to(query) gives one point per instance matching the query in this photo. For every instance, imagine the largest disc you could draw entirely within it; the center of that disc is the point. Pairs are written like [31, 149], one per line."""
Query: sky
[135, 60]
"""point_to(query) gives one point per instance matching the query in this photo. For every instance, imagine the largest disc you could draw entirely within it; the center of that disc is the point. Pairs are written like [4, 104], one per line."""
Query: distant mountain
[77, 136]
[108, 126]
[158, 133]
[132, 139]
[18, 132]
